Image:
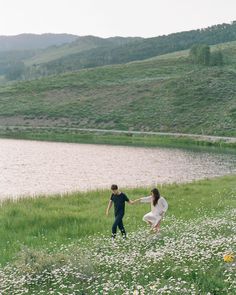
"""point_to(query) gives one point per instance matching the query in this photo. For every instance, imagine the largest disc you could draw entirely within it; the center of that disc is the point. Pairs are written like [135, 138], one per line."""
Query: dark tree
[216, 58]
[15, 71]
[200, 54]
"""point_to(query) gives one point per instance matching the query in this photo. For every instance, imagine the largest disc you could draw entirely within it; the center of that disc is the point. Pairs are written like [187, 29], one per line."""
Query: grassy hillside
[166, 93]
[61, 244]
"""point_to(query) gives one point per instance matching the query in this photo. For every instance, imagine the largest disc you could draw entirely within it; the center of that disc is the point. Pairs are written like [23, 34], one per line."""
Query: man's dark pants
[118, 222]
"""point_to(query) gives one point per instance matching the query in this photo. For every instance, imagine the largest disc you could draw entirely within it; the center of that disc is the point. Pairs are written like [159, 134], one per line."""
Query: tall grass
[49, 221]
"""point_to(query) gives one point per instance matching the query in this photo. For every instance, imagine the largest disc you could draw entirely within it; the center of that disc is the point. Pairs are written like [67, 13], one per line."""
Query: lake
[34, 167]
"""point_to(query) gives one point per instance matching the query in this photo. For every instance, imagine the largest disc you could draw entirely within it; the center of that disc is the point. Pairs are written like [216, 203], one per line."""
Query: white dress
[156, 211]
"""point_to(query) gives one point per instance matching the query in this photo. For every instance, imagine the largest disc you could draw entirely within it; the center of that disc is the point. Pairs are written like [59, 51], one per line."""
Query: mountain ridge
[28, 41]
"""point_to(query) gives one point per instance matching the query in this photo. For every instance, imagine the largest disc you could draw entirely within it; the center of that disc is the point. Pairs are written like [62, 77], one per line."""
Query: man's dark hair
[114, 187]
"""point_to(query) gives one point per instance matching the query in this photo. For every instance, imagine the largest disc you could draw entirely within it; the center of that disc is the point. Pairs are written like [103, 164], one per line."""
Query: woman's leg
[149, 218]
[156, 228]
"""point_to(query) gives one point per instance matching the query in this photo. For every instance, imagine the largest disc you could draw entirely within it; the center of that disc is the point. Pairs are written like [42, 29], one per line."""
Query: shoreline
[26, 197]
[117, 137]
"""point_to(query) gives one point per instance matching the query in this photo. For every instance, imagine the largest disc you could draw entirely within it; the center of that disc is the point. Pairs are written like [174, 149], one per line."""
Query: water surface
[34, 167]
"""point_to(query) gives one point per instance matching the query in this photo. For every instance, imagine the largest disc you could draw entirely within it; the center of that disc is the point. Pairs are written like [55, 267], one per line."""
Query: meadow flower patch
[185, 258]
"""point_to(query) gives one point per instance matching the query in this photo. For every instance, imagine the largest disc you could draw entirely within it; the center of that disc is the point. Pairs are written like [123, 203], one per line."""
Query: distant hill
[33, 41]
[83, 43]
[141, 49]
[15, 49]
[91, 51]
[18, 64]
[167, 93]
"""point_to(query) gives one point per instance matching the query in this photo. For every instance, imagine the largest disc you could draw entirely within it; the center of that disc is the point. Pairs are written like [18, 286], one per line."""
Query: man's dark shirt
[119, 203]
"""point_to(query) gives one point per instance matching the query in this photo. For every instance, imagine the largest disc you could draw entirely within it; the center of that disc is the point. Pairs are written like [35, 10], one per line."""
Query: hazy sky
[106, 18]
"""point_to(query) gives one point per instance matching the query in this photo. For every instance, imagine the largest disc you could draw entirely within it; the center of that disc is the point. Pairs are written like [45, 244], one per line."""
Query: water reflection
[30, 167]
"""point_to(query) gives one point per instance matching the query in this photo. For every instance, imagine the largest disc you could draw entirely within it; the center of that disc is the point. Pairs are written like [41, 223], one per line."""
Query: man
[119, 199]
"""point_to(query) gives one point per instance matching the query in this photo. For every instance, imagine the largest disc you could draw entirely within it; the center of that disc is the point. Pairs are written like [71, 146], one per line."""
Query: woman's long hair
[156, 196]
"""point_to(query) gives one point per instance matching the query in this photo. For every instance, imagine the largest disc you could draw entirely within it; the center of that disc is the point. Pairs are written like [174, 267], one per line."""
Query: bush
[38, 266]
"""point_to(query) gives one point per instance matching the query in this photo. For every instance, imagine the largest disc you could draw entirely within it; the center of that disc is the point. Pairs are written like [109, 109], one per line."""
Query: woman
[158, 208]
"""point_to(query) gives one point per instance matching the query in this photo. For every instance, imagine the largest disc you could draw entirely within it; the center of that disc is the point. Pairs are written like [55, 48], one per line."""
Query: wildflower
[228, 257]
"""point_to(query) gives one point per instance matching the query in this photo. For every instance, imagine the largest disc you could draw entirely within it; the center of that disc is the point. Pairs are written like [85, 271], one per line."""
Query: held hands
[135, 201]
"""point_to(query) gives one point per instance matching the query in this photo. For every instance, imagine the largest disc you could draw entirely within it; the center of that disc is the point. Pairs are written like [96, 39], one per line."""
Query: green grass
[62, 243]
[40, 221]
[128, 139]
[167, 94]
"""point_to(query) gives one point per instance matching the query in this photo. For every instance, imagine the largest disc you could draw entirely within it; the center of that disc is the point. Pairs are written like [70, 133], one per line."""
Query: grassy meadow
[61, 244]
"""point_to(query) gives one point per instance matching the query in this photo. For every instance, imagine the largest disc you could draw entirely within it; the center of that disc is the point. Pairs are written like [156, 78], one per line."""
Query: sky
[107, 18]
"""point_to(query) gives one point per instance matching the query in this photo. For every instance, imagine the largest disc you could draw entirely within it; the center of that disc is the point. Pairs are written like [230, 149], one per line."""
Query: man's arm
[130, 202]
[136, 201]
[109, 207]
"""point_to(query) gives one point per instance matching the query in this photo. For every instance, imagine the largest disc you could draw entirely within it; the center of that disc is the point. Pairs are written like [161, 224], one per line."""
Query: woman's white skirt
[150, 217]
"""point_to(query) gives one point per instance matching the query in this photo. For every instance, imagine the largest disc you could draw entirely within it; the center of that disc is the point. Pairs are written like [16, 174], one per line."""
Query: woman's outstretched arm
[136, 201]
[146, 199]
[143, 200]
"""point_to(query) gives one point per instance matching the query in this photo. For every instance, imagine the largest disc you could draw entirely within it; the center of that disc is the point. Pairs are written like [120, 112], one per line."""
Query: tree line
[145, 48]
